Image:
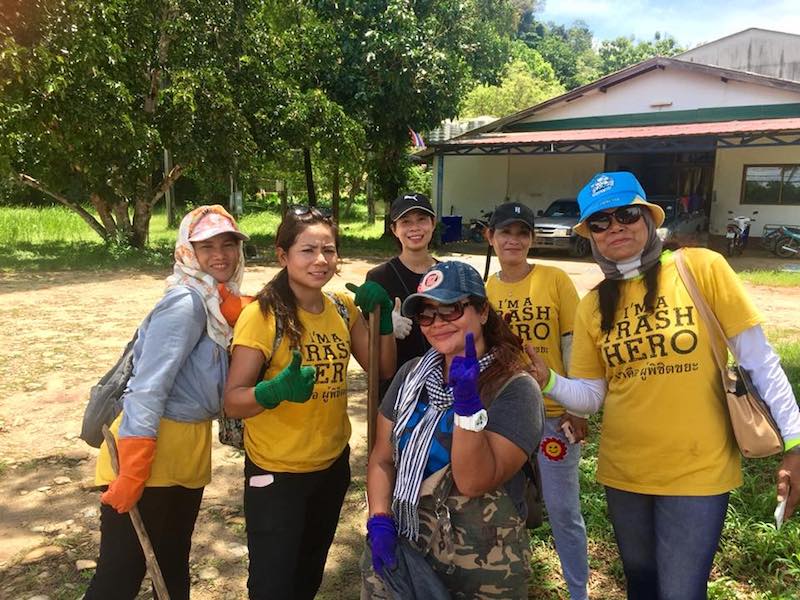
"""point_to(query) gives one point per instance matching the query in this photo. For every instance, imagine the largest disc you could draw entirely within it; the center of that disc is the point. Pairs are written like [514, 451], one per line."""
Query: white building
[725, 137]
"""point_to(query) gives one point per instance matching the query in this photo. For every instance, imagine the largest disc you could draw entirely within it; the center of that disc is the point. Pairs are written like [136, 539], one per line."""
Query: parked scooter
[738, 232]
[478, 226]
[789, 243]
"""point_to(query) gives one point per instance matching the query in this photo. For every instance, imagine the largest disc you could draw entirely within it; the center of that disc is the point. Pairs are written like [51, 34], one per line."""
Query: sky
[691, 22]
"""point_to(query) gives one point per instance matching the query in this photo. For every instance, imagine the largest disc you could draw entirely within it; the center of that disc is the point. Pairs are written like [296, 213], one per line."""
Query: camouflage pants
[478, 547]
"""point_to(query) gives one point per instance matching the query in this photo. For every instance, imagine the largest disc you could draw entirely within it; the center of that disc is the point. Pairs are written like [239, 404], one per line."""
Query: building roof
[604, 83]
[585, 140]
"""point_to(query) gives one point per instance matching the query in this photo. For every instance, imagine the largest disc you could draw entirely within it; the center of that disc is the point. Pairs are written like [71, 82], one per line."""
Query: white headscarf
[187, 272]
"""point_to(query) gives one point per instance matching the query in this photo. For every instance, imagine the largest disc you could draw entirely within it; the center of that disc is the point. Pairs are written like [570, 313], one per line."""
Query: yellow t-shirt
[665, 426]
[183, 455]
[540, 308]
[301, 437]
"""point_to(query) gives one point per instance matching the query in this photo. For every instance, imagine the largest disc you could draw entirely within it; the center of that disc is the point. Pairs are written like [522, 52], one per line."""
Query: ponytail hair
[507, 349]
[608, 296]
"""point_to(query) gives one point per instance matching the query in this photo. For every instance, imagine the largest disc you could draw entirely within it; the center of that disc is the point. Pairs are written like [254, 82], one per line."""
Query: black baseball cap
[511, 212]
[411, 201]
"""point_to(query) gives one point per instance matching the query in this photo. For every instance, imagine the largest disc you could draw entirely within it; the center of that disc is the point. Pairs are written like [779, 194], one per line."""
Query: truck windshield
[563, 208]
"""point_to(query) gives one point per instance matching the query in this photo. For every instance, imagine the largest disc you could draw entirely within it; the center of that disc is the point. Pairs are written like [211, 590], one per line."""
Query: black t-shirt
[400, 282]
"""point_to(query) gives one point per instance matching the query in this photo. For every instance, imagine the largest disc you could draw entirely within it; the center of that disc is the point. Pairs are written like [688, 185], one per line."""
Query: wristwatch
[474, 422]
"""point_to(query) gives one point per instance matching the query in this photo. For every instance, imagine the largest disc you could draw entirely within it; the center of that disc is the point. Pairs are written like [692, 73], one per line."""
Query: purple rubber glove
[464, 373]
[382, 538]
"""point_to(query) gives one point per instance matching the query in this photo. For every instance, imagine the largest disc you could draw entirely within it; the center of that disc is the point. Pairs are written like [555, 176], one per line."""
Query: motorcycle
[738, 232]
[478, 226]
[788, 244]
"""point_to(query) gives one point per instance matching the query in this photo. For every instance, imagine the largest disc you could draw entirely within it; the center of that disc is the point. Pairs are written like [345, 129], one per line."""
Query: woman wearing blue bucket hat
[667, 458]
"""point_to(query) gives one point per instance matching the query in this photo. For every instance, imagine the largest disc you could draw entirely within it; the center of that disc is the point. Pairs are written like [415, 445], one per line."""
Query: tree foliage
[408, 64]
[527, 80]
[622, 52]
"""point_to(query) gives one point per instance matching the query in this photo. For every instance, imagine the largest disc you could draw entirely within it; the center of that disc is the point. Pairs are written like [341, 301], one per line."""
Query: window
[771, 184]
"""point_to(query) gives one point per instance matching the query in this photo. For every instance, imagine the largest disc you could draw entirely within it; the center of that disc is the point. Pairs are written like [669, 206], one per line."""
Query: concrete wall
[470, 183]
[769, 53]
[475, 183]
[538, 180]
[728, 174]
[685, 90]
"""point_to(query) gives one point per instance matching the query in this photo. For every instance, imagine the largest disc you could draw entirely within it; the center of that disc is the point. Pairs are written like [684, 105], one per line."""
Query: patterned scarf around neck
[638, 264]
[412, 460]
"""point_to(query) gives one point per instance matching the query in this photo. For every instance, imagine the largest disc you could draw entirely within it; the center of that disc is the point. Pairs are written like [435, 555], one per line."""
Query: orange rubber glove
[231, 305]
[136, 455]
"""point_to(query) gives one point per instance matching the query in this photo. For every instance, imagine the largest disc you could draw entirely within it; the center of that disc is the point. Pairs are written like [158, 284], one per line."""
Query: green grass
[772, 278]
[56, 238]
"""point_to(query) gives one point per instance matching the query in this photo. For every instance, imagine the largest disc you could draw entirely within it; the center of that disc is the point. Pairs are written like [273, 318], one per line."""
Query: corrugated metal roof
[627, 133]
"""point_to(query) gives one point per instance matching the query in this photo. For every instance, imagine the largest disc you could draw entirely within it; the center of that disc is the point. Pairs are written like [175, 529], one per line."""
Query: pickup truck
[553, 228]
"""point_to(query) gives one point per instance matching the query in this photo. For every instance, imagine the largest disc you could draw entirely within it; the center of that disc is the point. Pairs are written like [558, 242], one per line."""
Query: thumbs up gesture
[400, 324]
[293, 384]
[463, 377]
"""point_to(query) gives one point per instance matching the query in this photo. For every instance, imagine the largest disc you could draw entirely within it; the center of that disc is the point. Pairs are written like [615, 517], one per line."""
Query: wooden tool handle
[373, 376]
[138, 525]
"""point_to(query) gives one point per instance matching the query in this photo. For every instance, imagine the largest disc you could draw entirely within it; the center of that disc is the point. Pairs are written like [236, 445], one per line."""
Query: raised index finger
[469, 346]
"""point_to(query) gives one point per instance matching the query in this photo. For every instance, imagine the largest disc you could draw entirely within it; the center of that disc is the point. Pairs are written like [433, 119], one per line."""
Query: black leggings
[291, 522]
[169, 514]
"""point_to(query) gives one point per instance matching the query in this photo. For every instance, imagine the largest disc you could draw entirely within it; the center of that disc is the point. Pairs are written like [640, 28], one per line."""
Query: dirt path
[58, 333]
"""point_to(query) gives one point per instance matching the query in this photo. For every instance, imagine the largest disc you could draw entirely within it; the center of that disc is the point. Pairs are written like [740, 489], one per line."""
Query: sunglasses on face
[446, 312]
[624, 215]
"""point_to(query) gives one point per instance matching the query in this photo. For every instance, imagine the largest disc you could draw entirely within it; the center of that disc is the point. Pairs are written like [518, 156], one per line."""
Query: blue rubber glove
[382, 539]
[463, 378]
[368, 296]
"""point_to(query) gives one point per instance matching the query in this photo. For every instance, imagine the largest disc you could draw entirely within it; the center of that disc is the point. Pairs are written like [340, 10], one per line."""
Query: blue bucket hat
[447, 283]
[612, 190]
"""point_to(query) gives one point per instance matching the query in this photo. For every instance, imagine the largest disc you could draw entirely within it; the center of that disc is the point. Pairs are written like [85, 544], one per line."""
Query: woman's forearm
[240, 403]
[584, 396]
[380, 483]
[473, 462]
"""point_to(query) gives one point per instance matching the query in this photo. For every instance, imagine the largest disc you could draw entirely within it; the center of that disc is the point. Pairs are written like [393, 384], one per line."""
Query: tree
[528, 80]
[568, 49]
[623, 51]
[92, 91]
[408, 64]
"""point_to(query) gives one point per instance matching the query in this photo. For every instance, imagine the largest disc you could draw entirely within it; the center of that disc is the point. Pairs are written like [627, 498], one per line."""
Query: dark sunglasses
[624, 215]
[446, 312]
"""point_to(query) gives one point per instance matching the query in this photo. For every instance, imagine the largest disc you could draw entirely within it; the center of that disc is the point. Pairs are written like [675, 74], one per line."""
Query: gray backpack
[105, 397]
[231, 431]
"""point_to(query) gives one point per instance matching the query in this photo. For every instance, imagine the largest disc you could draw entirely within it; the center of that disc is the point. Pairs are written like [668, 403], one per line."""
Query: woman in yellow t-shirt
[296, 428]
[538, 302]
[667, 455]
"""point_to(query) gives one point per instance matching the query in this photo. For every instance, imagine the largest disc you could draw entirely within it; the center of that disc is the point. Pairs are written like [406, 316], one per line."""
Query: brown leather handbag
[753, 426]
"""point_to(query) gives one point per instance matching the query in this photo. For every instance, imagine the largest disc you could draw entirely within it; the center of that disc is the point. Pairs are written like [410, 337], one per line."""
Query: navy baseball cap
[447, 283]
[408, 202]
[612, 190]
[511, 212]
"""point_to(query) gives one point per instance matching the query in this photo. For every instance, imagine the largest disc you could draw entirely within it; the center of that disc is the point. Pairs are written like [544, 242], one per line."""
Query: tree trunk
[142, 211]
[82, 212]
[391, 175]
[356, 180]
[370, 200]
[103, 210]
[310, 190]
[335, 193]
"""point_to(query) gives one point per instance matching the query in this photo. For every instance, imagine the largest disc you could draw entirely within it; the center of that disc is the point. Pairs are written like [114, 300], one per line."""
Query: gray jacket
[178, 370]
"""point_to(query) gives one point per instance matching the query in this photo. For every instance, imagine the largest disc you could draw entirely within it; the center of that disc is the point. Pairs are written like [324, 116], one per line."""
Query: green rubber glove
[293, 384]
[368, 296]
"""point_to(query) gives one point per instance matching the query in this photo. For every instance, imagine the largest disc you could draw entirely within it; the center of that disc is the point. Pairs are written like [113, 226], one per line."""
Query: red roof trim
[626, 133]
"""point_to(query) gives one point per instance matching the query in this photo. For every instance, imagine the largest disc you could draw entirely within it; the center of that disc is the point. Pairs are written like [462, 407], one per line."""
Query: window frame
[783, 167]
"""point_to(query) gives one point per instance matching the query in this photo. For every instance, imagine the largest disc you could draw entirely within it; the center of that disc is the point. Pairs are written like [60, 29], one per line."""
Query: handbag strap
[706, 315]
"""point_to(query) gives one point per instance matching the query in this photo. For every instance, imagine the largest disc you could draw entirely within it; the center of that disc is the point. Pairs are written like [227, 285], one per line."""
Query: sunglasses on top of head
[624, 215]
[446, 312]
